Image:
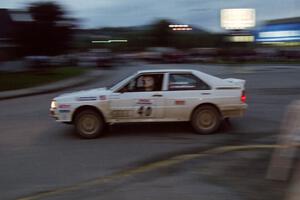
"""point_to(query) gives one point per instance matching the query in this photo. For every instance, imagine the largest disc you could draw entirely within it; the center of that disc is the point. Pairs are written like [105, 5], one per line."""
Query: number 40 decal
[145, 111]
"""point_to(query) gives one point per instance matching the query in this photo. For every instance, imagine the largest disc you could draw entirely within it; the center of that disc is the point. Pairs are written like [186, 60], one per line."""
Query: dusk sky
[201, 13]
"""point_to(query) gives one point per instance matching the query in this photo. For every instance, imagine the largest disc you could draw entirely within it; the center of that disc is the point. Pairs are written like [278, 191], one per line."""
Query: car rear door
[184, 92]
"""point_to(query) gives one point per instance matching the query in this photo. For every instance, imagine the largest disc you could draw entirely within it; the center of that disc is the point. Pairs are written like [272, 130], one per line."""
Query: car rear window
[186, 82]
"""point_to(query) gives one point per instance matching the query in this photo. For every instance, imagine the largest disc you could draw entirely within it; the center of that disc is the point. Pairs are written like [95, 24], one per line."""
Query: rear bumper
[234, 110]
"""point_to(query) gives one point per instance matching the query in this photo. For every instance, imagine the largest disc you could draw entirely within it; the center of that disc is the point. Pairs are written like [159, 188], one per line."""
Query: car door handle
[205, 93]
[157, 95]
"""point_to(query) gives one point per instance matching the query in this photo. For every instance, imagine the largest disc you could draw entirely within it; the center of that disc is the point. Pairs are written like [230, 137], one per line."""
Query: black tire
[89, 124]
[206, 119]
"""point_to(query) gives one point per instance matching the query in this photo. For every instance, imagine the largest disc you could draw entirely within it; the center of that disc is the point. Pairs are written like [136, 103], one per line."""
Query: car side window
[144, 83]
[186, 82]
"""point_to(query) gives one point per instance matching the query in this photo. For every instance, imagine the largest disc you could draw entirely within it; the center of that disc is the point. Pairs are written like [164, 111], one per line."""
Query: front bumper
[53, 114]
[61, 115]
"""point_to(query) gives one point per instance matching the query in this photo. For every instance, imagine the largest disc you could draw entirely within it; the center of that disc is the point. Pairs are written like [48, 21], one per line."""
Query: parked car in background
[163, 54]
[38, 61]
[201, 55]
[64, 60]
[96, 58]
[150, 56]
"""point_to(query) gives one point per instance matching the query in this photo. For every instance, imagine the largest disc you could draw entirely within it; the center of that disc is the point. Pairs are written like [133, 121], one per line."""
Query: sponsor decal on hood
[86, 98]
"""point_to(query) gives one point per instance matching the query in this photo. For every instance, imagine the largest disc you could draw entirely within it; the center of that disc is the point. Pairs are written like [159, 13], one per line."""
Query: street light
[180, 27]
[109, 41]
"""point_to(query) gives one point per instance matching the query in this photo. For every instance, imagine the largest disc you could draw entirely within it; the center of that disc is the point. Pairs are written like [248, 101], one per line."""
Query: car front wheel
[89, 124]
[206, 119]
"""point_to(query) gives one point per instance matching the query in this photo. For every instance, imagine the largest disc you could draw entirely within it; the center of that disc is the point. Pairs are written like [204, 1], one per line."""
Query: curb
[53, 87]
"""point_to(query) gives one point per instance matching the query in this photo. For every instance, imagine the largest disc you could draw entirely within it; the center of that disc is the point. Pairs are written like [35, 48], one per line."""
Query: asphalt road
[39, 156]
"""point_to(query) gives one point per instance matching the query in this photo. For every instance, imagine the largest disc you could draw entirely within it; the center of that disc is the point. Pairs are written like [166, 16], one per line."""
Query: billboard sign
[288, 32]
[237, 18]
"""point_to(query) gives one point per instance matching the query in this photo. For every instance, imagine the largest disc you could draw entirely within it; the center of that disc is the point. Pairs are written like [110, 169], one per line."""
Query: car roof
[166, 70]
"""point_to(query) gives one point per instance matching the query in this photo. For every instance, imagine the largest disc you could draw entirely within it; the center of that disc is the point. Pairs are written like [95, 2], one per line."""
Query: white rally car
[154, 96]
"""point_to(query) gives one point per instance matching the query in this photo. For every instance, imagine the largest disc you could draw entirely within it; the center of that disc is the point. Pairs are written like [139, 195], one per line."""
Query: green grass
[20, 80]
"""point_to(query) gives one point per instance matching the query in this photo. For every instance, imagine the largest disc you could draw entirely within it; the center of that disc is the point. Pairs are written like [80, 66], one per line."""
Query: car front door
[141, 99]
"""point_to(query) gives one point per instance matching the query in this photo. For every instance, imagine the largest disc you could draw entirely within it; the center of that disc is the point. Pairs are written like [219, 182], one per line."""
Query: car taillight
[243, 96]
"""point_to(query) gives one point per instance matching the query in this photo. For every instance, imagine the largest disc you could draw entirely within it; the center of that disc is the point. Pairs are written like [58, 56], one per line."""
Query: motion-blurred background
[100, 33]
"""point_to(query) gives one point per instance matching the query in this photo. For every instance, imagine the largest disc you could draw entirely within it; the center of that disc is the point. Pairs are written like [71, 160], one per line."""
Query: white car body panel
[154, 106]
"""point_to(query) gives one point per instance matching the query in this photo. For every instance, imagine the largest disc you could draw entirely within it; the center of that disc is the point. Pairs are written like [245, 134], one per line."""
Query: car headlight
[53, 104]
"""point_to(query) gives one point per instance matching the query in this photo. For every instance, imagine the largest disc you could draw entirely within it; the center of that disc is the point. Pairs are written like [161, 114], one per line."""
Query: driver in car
[148, 82]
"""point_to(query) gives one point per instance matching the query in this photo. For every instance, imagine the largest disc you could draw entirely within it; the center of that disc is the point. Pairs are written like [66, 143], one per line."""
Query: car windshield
[116, 84]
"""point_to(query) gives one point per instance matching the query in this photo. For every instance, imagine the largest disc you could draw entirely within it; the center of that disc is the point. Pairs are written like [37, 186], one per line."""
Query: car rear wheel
[206, 119]
[89, 124]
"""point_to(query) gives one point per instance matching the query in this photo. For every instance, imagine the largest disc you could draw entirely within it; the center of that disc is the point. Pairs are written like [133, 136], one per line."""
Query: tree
[161, 33]
[50, 32]
[46, 12]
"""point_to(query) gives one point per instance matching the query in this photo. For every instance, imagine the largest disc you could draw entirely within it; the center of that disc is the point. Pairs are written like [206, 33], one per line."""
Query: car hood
[92, 93]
